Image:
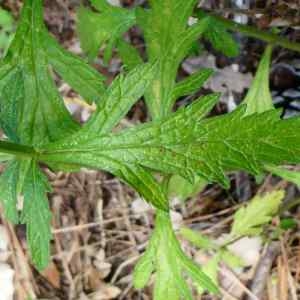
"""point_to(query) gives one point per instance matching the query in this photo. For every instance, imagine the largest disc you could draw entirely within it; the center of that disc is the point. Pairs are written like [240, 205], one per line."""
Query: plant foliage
[185, 143]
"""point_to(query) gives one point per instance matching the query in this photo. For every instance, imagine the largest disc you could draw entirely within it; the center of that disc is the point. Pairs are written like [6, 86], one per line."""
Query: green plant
[40, 130]
[249, 220]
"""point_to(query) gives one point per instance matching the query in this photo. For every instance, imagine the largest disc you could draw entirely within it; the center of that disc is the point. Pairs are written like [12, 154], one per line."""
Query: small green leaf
[250, 220]
[259, 98]
[288, 223]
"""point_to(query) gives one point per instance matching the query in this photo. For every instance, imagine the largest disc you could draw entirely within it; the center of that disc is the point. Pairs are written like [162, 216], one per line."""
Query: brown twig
[259, 282]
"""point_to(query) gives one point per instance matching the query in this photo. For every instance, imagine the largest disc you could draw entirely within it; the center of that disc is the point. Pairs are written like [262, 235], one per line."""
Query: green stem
[17, 149]
[268, 37]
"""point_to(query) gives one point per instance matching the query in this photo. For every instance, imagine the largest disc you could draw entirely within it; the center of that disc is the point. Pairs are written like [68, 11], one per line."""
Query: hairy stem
[251, 31]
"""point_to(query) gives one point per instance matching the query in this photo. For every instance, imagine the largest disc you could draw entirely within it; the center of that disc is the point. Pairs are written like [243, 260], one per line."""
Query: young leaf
[36, 215]
[259, 98]
[250, 220]
[95, 29]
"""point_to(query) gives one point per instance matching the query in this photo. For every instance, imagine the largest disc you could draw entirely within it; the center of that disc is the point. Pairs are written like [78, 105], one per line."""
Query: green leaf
[250, 220]
[129, 55]
[221, 39]
[23, 177]
[259, 98]
[208, 148]
[181, 189]
[85, 80]
[96, 29]
[192, 83]
[288, 223]
[36, 215]
[169, 42]
[292, 176]
[32, 111]
[8, 191]
[165, 256]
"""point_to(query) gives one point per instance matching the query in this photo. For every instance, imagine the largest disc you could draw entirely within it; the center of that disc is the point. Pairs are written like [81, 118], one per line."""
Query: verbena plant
[39, 129]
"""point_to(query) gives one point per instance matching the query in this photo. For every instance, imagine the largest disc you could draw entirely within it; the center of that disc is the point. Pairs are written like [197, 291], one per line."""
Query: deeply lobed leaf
[32, 112]
[184, 145]
[249, 220]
